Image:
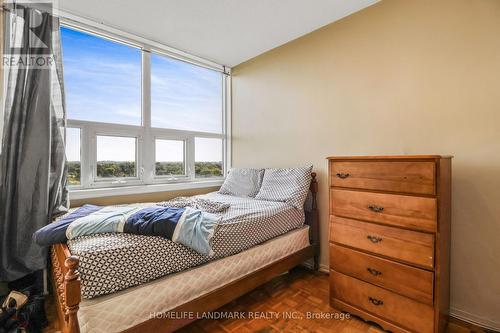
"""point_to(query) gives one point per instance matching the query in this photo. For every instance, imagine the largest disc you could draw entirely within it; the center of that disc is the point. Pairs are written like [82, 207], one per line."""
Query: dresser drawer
[406, 280]
[399, 210]
[408, 246]
[410, 314]
[406, 177]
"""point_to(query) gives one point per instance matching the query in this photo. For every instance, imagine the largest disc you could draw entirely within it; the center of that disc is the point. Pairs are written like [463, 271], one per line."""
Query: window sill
[77, 194]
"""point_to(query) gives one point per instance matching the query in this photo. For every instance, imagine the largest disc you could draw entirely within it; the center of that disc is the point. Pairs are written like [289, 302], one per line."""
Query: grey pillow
[242, 182]
[286, 185]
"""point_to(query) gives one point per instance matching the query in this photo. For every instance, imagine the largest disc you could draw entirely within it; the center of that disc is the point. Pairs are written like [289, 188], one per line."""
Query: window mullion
[89, 156]
[190, 158]
[226, 124]
[147, 151]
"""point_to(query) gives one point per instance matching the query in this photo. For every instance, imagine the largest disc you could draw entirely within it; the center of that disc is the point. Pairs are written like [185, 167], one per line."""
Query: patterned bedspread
[112, 262]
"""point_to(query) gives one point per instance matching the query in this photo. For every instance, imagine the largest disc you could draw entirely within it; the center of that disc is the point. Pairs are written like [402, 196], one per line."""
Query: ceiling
[227, 32]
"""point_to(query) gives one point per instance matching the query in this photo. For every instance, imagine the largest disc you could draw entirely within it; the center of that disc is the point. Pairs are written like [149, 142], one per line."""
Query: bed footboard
[66, 287]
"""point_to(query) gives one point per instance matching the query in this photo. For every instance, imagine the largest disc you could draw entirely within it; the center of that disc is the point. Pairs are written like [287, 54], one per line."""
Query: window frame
[185, 161]
[79, 155]
[194, 158]
[116, 180]
[145, 134]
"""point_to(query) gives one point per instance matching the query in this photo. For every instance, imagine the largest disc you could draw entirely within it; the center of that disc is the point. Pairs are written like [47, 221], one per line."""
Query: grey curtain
[32, 159]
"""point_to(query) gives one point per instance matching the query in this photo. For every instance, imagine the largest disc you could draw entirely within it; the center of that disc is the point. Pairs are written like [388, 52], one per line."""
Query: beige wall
[400, 77]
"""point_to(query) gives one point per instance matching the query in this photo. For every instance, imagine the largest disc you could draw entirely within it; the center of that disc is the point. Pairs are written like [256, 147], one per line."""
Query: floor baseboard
[475, 320]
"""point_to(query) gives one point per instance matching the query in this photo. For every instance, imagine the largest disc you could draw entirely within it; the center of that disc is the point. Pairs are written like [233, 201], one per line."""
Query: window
[116, 157]
[184, 96]
[208, 157]
[139, 117]
[102, 79]
[169, 157]
[73, 156]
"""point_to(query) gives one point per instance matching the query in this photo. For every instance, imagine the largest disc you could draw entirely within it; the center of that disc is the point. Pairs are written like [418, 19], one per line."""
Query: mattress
[127, 308]
[115, 261]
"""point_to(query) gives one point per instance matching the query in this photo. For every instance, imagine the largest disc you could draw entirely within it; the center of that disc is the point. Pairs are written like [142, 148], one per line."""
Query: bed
[123, 296]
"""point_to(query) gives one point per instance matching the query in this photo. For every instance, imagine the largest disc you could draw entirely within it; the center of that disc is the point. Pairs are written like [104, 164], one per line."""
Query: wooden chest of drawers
[390, 240]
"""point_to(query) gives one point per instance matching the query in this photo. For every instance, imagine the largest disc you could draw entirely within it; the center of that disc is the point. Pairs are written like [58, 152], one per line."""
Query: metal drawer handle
[374, 239]
[373, 271]
[375, 301]
[342, 175]
[376, 209]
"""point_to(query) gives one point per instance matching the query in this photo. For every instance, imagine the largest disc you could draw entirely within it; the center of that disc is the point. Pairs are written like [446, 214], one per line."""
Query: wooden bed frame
[67, 293]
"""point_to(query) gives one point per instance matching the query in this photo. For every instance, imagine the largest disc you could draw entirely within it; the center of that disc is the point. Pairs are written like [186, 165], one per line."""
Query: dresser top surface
[390, 157]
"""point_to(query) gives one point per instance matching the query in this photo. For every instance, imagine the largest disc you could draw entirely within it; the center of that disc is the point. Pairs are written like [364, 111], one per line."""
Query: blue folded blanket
[191, 227]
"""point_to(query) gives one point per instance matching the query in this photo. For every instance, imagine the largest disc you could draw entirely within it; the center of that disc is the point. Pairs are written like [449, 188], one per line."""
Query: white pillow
[286, 185]
[242, 182]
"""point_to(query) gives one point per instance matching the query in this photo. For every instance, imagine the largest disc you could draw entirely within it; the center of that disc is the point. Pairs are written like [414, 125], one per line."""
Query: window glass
[116, 157]
[208, 157]
[73, 155]
[185, 96]
[102, 79]
[169, 157]
[104, 98]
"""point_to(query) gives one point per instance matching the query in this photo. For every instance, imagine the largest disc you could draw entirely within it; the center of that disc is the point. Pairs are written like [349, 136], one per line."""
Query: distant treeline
[74, 172]
[208, 169]
[113, 169]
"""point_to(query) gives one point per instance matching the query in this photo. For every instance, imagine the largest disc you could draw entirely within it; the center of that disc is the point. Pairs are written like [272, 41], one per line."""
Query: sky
[103, 83]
